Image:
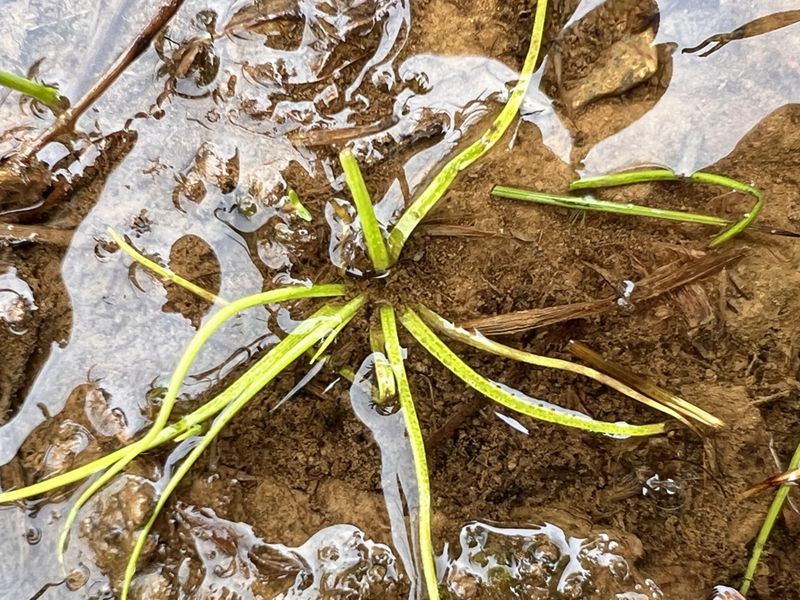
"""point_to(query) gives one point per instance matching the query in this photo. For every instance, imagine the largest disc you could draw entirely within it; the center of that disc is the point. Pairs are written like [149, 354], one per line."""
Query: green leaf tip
[544, 412]
[415, 213]
[648, 175]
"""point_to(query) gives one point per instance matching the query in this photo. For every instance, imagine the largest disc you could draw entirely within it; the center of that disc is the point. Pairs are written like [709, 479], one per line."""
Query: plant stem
[646, 175]
[373, 236]
[395, 356]
[67, 119]
[43, 93]
[766, 528]
[438, 187]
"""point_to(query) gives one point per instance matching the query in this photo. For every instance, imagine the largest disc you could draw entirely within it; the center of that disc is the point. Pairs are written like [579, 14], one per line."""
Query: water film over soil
[191, 153]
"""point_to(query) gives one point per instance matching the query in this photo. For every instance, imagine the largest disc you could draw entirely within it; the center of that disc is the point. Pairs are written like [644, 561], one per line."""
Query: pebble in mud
[113, 519]
[626, 64]
[543, 563]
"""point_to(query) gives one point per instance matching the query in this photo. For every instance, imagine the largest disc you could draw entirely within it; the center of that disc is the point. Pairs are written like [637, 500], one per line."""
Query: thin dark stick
[141, 42]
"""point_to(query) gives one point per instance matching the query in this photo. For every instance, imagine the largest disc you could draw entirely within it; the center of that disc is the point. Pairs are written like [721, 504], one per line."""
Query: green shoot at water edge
[438, 187]
[297, 206]
[394, 353]
[373, 236]
[43, 93]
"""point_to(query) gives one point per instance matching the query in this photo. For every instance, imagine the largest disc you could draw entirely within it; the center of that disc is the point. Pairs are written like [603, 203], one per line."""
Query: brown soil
[729, 344]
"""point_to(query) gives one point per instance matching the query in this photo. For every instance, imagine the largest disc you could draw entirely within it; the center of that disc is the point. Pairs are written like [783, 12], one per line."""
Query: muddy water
[234, 105]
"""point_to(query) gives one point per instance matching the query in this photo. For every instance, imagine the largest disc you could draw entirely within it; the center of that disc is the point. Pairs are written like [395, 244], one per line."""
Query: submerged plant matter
[321, 328]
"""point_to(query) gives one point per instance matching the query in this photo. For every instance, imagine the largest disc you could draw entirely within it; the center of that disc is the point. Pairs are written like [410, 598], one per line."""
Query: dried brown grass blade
[773, 482]
[664, 279]
[643, 384]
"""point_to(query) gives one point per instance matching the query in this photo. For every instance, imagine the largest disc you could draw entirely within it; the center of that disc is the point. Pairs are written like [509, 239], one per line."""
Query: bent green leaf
[551, 414]
[43, 93]
[308, 333]
[646, 175]
[438, 187]
[182, 369]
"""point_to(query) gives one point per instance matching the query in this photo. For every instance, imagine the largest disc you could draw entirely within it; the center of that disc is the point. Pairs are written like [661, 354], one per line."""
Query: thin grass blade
[476, 340]
[591, 203]
[373, 236]
[646, 175]
[394, 354]
[438, 187]
[549, 413]
[163, 271]
[43, 93]
[384, 376]
[182, 369]
[766, 528]
[281, 356]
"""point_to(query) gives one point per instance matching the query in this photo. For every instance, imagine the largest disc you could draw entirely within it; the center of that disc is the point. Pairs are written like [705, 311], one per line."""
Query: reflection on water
[544, 563]
[712, 101]
[336, 562]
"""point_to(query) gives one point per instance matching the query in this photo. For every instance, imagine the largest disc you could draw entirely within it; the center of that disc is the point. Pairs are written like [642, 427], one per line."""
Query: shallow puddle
[191, 154]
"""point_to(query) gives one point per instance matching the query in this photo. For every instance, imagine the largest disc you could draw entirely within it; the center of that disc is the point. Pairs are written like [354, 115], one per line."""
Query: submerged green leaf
[43, 93]
[182, 369]
[308, 333]
[394, 353]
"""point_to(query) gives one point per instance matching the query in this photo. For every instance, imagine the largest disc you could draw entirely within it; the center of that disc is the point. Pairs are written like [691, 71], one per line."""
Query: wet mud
[289, 503]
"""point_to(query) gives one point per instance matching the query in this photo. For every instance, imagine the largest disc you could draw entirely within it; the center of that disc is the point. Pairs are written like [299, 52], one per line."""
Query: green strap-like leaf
[476, 340]
[373, 236]
[307, 334]
[766, 528]
[163, 271]
[394, 353]
[552, 414]
[43, 93]
[182, 369]
[438, 187]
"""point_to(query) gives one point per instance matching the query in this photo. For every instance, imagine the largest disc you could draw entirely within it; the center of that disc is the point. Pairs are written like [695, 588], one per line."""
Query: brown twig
[664, 279]
[66, 121]
[642, 384]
